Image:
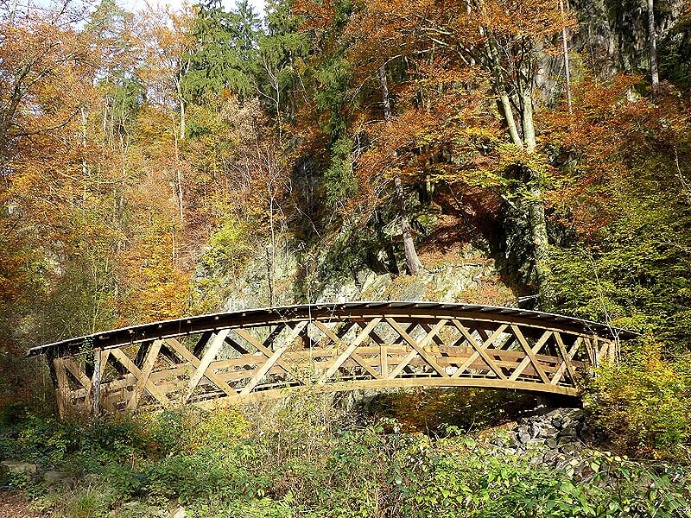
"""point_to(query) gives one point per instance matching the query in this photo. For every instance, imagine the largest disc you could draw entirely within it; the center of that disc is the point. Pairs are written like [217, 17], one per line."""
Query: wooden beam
[96, 382]
[187, 355]
[263, 348]
[198, 348]
[536, 349]
[480, 349]
[280, 391]
[146, 370]
[208, 357]
[404, 363]
[74, 369]
[528, 350]
[121, 357]
[239, 348]
[373, 335]
[435, 337]
[100, 363]
[476, 354]
[421, 348]
[62, 386]
[361, 337]
[567, 363]
[330, 334]
[271, 361]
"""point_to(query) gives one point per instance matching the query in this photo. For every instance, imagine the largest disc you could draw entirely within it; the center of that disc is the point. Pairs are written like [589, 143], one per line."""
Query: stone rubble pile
[555, 437]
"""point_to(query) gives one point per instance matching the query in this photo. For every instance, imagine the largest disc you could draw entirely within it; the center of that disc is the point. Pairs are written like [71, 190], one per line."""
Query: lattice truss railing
[217, 368]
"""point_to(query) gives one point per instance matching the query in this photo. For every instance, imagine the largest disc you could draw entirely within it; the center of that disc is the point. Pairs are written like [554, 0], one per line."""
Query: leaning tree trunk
[412, 261]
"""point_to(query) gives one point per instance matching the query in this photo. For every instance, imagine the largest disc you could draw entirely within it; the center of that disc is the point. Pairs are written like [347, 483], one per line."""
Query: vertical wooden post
[596, 351]
[97, 383]
[62, 387]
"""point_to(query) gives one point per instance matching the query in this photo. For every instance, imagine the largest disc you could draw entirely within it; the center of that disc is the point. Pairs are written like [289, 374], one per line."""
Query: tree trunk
[386, 101]
[183, 114]
[538, 228]
[413, 263]
[652, 34]
[13, 10]
[505, 103]
[183, 122]
[178, 178]
[567, 70]
[536, 207]
[527, 120]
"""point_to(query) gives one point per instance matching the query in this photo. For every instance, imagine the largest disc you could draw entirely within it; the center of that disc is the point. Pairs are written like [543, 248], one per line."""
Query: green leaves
[225, 53]
[645, 401]
[294, 461]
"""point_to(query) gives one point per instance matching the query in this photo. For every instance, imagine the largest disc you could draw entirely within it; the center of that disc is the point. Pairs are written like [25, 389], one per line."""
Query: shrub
[645, 402]
[295, 460]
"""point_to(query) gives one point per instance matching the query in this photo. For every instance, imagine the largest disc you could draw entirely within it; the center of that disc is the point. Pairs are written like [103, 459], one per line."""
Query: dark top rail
[328, 311]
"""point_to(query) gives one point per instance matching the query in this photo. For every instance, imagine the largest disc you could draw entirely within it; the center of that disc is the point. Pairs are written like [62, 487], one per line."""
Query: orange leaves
[604, 143]
[156, 287]
[44, 66]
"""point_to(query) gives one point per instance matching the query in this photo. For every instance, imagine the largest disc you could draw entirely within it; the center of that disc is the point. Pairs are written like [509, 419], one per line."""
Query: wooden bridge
[221, 359]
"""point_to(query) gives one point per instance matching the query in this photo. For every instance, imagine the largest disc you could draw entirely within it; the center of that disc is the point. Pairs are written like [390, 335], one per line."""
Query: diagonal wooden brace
[209, 356]
[187, 355]
[271, 361]
[536, 349]
[120, 356]
[420, 348]
[480, 350]
[528, 350]
[361, 337]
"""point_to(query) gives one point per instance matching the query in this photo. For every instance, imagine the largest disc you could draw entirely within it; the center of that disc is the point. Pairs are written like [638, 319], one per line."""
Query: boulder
[64, 478]
[568, 432]
[548, 431]
[11, 466]
[523, 434]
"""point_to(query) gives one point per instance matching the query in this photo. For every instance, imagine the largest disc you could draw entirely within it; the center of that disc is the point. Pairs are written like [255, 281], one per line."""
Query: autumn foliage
[136, 148]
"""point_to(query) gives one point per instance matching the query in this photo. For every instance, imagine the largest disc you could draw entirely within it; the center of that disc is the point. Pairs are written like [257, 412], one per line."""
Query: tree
[279, 50]
[459, 49]
[652, 38]
[44, 63]
[224, 52]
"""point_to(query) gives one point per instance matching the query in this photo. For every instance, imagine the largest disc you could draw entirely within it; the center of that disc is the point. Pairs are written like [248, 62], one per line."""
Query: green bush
[645, 402]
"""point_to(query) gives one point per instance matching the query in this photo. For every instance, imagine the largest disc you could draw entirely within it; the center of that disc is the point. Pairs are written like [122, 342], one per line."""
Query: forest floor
[13, 505]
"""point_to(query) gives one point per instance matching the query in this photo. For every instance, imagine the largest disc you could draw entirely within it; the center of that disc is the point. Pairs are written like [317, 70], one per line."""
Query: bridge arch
[221, 359]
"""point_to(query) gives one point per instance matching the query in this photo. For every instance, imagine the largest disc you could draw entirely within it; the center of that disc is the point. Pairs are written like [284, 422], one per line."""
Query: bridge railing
[217, 360]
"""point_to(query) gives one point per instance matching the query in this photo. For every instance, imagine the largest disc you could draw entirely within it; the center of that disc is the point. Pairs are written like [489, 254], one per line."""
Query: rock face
[464, 275]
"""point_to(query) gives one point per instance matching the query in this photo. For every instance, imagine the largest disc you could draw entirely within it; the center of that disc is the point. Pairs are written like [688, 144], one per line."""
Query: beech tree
[459, 49]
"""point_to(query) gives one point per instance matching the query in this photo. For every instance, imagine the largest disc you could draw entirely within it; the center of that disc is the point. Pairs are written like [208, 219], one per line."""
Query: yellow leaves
[645, 400]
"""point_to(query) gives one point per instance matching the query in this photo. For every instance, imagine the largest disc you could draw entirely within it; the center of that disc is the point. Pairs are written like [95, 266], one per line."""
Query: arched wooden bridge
[216, 360]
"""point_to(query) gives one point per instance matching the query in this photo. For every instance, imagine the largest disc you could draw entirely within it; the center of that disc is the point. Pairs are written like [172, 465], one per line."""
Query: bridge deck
[224, 358]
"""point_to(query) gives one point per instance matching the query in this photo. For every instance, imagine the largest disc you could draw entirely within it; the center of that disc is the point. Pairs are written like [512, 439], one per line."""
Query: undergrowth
[306, 457]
